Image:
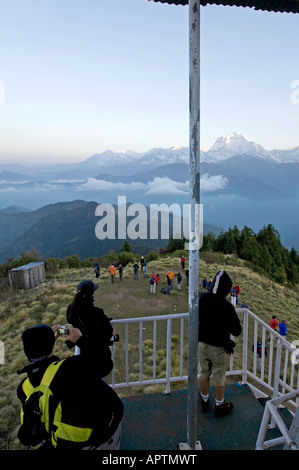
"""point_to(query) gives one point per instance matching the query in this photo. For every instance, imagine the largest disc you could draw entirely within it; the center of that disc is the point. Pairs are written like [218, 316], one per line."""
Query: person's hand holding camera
[74, 334]
[68, 332]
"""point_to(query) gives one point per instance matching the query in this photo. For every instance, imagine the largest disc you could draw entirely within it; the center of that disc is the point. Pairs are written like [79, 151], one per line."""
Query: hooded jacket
[217, 316]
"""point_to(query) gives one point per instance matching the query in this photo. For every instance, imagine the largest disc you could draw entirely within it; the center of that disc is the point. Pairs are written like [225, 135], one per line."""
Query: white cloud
[9, 190]
[93, 184]
[167, 186]
[212, 183]
[67, 181]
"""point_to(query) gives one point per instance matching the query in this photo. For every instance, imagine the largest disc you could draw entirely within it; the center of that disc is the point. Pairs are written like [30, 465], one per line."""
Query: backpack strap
[50, 373]
[44, 388]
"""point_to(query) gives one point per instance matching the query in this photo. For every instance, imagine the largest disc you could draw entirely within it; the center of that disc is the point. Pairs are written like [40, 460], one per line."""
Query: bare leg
[219, 392]
[204, 385]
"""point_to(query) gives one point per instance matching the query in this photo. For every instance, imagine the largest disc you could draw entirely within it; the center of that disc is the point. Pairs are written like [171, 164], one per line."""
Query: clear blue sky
[80, 76]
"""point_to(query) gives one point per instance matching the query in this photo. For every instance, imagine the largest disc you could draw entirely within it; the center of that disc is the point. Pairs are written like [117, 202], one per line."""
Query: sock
[219, 402]
[205, 397]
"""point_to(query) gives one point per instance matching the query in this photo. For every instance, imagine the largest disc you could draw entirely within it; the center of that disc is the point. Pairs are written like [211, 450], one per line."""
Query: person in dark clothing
[97, 270]
[91, 321]
[91, 411]
[217, 321]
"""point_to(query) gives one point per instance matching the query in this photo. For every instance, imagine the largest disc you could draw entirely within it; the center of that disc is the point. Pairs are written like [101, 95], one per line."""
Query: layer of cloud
[163, 185]
[159, 185]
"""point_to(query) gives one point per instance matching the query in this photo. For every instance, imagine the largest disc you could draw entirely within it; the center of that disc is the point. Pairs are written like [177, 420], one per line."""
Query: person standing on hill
[238, 291]
[233, 297]
[274, 323]
[136, 269]
[283, 328]
[179, 281]
[153, 284]
[218, 320]
[120, 271]
[112, 272]
[97, 270]
[145, 268]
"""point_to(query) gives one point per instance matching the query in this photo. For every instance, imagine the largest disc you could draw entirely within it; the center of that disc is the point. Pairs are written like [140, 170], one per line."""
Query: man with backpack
[153, 284]
[65, 403]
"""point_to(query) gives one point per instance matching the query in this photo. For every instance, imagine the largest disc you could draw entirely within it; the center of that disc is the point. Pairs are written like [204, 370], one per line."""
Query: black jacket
[94, 325]
[217, 316]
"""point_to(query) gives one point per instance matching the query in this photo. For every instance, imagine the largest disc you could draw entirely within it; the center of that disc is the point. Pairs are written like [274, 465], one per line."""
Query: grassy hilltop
[47, 304]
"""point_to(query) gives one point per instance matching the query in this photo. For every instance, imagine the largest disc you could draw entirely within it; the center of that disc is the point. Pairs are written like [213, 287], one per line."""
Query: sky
[78, 77]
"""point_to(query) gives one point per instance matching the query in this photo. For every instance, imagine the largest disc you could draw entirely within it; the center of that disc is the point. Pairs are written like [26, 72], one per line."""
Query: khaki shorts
[212, 361]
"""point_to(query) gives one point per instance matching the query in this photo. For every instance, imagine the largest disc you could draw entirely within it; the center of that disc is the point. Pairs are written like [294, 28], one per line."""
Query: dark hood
[221, 284]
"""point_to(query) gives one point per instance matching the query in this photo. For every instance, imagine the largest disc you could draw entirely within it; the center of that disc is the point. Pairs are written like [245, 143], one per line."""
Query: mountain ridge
[133, 162]
[251, 187]
[63, 229]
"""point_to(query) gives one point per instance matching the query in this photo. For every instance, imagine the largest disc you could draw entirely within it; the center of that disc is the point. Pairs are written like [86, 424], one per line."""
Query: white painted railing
[137, 340]
[275, 374]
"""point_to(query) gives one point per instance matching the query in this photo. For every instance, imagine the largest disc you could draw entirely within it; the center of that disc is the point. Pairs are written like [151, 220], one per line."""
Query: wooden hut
[27, 276]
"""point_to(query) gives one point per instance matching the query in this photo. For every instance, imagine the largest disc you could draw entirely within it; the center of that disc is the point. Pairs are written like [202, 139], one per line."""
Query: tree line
[263, 251]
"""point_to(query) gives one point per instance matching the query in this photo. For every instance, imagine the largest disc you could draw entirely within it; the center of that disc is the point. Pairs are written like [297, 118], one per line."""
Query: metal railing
[289, 437]
[276, 372]
[160, 343]
[153, 350]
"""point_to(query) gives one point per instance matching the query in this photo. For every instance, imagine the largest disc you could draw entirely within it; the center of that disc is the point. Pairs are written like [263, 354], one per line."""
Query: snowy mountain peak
[234, 137]
[237, 144]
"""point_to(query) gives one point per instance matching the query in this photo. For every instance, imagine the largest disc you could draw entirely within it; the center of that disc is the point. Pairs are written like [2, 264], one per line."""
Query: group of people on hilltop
[154, 279]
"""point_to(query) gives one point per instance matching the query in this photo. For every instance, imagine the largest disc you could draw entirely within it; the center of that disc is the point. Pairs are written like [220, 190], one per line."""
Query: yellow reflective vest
[55, 427]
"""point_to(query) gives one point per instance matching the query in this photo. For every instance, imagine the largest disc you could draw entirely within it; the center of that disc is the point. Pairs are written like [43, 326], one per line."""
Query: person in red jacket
[238, 291]
[274, 323]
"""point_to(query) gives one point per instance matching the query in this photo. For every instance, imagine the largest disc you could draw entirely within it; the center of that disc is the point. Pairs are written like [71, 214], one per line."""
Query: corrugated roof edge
[27, 266]
[281, 6]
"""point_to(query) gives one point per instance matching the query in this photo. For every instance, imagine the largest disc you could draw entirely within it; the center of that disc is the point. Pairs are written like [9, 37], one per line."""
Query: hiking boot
[205, 405]
[224, 409]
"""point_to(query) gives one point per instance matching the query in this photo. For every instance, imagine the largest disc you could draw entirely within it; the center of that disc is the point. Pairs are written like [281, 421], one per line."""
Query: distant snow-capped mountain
[237, 144]
[130, 163]
[162, 156]
[287, 156]
[109, 158]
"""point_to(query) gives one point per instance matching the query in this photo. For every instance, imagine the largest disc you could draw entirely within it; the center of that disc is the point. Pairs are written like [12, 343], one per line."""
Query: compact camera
[63, 330]
[114, 338]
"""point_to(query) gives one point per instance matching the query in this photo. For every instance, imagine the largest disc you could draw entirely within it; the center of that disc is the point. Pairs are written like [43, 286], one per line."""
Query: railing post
[277, 369]
[168, 356]
[276, 378]
[245, 346]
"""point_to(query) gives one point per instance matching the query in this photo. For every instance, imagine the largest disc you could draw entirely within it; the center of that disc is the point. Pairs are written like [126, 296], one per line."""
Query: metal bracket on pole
[185, 446]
